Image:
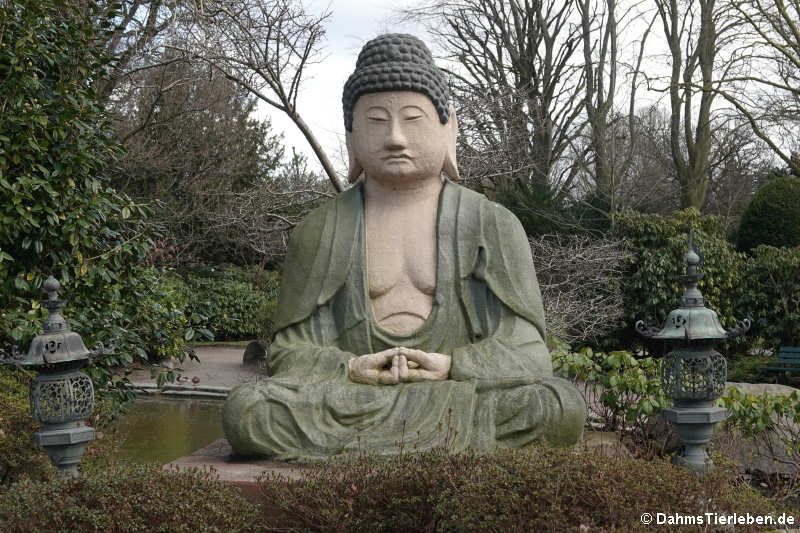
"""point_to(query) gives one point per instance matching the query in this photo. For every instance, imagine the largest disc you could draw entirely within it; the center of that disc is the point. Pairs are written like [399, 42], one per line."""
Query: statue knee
[567, 412]
[244, 406]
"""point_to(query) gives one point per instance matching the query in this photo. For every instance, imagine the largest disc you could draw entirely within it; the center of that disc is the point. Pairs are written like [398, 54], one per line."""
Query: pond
[161, 430]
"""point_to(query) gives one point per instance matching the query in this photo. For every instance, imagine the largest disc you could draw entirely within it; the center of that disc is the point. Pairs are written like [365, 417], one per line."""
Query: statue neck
[399, 193]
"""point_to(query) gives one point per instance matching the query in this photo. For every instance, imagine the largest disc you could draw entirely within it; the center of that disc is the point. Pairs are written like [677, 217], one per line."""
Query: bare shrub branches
[260, 217]
[580, 279]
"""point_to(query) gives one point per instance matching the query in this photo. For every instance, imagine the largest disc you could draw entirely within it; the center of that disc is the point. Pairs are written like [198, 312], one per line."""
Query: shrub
[233, 307]
[772, 295]
[128, 498]
[773, 216]
[771, 420]
[652, 288]
[18, 456]
[621, 391]
[749, 368]
[160, 320]
[534, 489]
[57, 213]
[581, 281]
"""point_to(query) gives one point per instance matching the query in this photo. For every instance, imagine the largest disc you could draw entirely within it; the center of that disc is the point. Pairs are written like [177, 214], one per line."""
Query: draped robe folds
[487, 314]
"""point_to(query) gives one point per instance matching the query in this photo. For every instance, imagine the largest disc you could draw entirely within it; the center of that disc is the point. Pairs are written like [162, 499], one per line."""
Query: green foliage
[534, 489]
[748, 368]
[771, 295]
[18, 456]
[773, 216]
[58, 214]
[128, 498]
[653, 289]
[233, 306]
[628, 389]
[773, 420]
[159, 321]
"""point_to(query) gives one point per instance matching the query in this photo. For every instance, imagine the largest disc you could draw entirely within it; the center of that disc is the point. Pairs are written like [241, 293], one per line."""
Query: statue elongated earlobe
[449, 167]
[355, 169]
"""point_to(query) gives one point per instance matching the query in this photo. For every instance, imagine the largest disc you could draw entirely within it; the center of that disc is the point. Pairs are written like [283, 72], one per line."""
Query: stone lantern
[61, 396]
[693, 374]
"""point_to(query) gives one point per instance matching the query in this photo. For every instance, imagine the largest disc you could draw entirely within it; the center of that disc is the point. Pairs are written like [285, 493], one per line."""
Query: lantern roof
[57, 344]
[692, 320]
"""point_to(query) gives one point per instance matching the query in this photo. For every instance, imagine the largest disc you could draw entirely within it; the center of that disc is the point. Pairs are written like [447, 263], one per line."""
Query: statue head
[398, 118]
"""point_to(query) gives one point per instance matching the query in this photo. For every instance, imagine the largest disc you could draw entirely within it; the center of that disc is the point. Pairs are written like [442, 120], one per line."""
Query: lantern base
[694, 426]
[65, 444]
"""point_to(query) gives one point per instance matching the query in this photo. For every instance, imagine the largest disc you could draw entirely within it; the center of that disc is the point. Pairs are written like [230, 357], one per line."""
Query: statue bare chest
[401, 265]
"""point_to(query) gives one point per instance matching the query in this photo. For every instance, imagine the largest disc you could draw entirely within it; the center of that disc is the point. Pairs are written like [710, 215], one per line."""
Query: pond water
[161, 430]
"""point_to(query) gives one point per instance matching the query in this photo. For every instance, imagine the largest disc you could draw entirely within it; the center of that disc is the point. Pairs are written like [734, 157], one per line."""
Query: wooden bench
[788, 361]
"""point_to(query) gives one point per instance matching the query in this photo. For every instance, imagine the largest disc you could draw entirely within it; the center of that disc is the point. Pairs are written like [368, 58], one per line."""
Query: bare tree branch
[264, 46]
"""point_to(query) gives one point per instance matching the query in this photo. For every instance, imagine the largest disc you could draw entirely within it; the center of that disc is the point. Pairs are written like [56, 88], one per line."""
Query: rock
[605, 443]
[760, 388]
[255, 354]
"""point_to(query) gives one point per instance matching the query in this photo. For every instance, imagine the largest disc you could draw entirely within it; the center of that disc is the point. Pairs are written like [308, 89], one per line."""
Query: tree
[264, 47]
[188, 149]
[770, 100]
[696, 32]
[611, 148]
[738, 159]
[135, 39]
[517, 90]
[257, 219]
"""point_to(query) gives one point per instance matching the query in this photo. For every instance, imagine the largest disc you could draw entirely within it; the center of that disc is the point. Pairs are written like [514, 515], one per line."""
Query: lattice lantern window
[694, 373]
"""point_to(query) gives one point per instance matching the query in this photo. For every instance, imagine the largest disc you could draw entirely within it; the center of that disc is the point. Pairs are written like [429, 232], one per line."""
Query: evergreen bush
[652, 288]
[232, 306]
[771, 295]
[773, 216]
[57, 213]
[533, 489]
[128, 498]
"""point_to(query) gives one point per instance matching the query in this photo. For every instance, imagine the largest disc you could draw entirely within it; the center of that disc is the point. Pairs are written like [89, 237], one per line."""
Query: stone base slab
[241, 472]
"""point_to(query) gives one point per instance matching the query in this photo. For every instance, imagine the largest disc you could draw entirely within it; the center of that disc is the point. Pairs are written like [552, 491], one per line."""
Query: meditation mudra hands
[398, 365]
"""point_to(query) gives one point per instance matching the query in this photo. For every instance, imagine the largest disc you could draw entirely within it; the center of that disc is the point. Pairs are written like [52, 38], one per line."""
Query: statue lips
[397, 157]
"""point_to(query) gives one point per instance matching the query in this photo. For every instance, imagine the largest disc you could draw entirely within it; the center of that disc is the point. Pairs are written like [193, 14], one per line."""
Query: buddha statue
[409, 312]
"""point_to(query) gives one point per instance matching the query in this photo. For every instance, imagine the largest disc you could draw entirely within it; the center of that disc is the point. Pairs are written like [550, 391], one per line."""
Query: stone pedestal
[695, 427]
[241, 472]
[65, 444]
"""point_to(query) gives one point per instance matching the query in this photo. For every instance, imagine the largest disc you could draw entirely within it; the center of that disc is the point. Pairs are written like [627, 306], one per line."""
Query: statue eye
[377, 118]
[410, 113]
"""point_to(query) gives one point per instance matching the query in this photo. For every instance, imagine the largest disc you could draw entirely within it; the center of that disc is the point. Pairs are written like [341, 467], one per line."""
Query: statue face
[398, 138]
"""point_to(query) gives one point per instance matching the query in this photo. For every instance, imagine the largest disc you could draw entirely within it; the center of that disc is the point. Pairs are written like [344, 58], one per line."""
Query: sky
[352, 23]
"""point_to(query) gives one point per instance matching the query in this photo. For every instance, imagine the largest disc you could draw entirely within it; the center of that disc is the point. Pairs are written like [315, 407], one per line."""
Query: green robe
[487, 313]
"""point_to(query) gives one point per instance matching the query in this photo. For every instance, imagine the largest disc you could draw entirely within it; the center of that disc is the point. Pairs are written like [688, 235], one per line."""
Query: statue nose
[396, 138]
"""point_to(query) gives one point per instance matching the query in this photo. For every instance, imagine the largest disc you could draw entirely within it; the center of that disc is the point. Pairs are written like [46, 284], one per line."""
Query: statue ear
[450, 168]
[355, 168]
